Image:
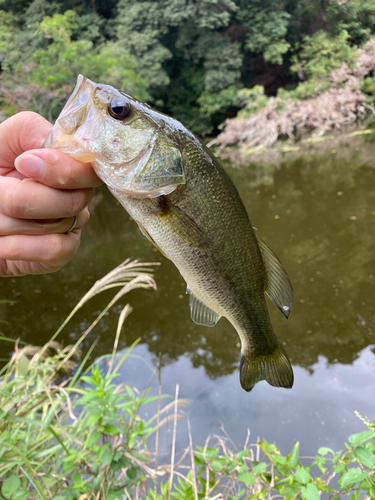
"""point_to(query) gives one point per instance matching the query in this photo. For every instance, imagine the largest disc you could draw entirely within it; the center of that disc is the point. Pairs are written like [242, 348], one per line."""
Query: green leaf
[132, 440]
[352, 476]
[322, 486]
[320, 462]
[198, 459]
[10, 486]
[259, 468]
[78, 482]
[211, 452]
[302, 476]
[107, 457]
[23, 365]
[294, 456]
[20, 495]
[365, 457]
[310, 492]
[247, 478]
[112, 495]
[357, 439]
[337, 457]
[217, 465]
[339, 468]
[111, 429]
[93, 438]
[139, 456]
[323, 451]
[130, 392]
[131, 473]
[268, 448]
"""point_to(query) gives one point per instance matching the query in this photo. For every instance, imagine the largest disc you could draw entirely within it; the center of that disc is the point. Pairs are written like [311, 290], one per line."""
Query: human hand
[42, 190]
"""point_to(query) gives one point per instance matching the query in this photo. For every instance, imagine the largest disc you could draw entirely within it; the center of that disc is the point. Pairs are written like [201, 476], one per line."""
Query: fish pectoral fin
[279, 288]
[274, 367]
[200, 313]
[181, 224]
[150, 239]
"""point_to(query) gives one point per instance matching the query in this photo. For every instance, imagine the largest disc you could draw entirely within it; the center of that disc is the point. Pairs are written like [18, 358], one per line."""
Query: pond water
[317, 212]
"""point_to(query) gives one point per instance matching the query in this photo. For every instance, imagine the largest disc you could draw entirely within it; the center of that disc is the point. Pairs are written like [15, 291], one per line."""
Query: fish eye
[119, 108]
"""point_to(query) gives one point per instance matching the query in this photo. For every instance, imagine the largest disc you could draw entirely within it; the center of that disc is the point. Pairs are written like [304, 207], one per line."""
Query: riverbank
[78, 435]
[322, 104]
[338, 143]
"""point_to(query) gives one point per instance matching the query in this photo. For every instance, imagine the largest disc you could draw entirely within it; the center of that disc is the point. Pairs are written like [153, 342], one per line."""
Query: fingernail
[30, 165]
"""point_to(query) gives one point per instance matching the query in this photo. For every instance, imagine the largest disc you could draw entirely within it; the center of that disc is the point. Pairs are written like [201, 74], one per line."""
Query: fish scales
[184, 202]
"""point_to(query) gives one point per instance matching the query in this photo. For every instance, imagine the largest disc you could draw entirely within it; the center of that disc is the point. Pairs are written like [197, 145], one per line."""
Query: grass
[69, 430]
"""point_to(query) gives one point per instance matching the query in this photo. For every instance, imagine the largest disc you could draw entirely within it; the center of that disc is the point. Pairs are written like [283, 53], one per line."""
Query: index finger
[56, 169]
[23, 131]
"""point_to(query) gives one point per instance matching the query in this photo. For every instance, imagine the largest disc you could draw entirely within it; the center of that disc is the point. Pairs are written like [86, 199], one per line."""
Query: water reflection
[317, 212]
[319, 411]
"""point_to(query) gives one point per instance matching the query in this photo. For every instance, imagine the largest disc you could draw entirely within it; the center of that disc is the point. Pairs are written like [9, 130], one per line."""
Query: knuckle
[85, 216]
[13, 203]
[11, 248]
[53, 248]
[61, 248]
[76, 201]
[66, 176]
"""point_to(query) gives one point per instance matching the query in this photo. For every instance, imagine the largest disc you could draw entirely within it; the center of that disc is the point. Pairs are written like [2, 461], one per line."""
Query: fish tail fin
[274, 367]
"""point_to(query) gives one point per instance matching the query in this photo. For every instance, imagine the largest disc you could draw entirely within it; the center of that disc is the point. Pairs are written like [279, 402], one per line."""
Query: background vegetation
[190, 59]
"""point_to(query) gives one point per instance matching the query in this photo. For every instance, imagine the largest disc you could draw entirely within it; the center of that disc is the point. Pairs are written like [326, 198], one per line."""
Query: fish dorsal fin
[200, 313]
[279, 288]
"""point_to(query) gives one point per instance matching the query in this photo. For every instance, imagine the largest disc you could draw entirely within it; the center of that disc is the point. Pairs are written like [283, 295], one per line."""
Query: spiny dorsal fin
[279, 288]
[200, 313]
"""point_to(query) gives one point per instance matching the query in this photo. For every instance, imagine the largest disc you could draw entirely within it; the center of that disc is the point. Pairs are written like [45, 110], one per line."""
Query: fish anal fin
[278, 286]
[150, 239]
[200, 313]
[275, 368]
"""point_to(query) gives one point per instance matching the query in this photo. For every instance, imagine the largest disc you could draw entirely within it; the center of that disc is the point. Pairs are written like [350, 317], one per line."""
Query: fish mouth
[72, 116]
[65, 143]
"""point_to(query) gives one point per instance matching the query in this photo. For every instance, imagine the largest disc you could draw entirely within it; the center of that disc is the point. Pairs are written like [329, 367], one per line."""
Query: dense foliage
[188, 58]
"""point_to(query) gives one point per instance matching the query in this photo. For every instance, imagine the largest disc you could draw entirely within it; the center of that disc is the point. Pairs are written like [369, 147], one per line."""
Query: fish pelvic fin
[274, 367]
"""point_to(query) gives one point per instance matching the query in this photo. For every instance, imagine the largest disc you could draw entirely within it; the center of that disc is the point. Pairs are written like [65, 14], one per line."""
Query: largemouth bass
[186, 205]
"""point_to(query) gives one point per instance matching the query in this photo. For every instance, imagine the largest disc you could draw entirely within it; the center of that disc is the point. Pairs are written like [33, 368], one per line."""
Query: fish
[183, 201]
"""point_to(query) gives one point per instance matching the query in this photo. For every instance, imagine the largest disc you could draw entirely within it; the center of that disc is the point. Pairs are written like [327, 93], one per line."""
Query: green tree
[192, 56]
[170, 38]
[318, 56]
[357, 17]
[266, 26]
[51, 72]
